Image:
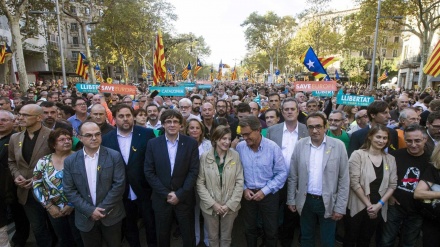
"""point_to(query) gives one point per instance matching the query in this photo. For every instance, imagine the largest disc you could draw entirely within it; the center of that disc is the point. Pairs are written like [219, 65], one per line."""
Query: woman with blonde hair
[220, 187]
[373, 179]
[423, 191]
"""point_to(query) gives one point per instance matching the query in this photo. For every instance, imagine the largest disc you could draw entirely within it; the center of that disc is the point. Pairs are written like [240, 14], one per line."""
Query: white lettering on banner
[110, 88]
[303, 86]
[355, 98]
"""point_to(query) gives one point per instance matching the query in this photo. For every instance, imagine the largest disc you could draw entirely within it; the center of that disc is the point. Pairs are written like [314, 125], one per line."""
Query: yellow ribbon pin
[134, 149]
[386, 167]
[19, 144]
[99, 168]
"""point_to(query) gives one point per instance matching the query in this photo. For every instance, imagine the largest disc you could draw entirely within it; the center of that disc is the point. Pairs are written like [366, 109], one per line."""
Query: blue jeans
[314, 210]
[397, 217]
[38, 218]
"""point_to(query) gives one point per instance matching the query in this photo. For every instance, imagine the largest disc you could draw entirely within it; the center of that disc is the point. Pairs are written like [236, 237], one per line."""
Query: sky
[219, 22]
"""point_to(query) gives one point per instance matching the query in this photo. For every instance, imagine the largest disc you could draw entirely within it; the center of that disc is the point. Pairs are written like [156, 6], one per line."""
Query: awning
[435, 79]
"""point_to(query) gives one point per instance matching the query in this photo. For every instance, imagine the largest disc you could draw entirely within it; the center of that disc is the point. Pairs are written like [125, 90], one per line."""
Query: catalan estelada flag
[159, 69]
[98, 74]
[186, 71]
[312, 63]
[198, 67]
[81, 67]
[325, 63]
[383, 76]
[432, 66]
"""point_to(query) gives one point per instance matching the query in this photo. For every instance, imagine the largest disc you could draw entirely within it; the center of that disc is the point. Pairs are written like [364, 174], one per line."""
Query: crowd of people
[83, 169]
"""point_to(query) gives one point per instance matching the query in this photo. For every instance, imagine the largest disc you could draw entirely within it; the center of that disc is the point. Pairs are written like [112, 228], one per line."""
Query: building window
[384, 52]
[384, 41]
[394, 53]
[396, 39]
[73, 9]
[87, 11]
[74, 27]
[75, 55]
[75, 40]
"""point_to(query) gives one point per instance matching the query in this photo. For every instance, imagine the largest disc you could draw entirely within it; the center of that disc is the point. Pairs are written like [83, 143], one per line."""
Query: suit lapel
[102, 161]
[41, 141]
[135, 139]
[82, 168]
[327, 152]
[180, 153]
[164, 149]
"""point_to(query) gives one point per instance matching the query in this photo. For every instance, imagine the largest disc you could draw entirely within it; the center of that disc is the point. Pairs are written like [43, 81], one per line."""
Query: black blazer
[186, 169]
[358, 138]
[134, 170]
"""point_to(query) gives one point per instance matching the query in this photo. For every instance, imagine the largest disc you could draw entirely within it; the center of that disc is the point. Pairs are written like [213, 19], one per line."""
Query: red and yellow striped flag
[186, 71]
[159, 69]
[3, 54]
[432, 66]
[81, 67]
[325, 63]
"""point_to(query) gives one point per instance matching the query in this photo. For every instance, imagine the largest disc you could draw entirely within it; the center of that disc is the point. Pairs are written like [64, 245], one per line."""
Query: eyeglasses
[435, 127]
[25, 115]
[63, 140]
[81, 104]
[247, 134]
[89, 136]
[334, 120]
[4, 120]
[315, 127]
[170, 122]
[416, 141]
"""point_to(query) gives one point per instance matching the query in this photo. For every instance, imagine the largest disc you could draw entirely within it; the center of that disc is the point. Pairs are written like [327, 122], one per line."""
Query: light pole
[376, 32]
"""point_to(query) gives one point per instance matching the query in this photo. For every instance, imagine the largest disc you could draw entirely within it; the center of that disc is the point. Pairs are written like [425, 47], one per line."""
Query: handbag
[430, 209]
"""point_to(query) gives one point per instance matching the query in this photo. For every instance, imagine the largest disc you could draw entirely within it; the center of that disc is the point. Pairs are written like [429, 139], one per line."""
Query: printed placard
[310, 86]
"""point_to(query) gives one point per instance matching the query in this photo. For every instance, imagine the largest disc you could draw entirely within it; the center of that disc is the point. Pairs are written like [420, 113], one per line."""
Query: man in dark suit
[378, 113]
[131, 142]
[171, 169]
[94, 182]
[50, 112]
[286, 135]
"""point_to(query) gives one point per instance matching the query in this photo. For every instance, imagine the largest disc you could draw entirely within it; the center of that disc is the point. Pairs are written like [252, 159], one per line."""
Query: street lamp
[373, 59]
[57, 12]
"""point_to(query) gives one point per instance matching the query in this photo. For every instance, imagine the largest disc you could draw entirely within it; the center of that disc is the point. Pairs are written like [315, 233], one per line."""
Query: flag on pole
[98, 74]
[159, 68]
[211, 74]
[186, 71]
[383, 76]
[198, 67]
[432, 66]
[81, 67]
[169, 75]
[312, 63]
[220, 73]
[234, 74]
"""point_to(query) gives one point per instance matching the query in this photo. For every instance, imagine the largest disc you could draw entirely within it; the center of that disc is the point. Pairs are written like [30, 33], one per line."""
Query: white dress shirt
[124, 146]
[172, 151]
[155, 127]
[316, 168]
[288, 144]
[91, 163]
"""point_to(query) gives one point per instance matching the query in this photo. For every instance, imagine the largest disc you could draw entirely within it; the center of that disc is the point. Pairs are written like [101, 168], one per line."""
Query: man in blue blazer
[378, 113]
[94, 182]
[171, 168]
[131, 142]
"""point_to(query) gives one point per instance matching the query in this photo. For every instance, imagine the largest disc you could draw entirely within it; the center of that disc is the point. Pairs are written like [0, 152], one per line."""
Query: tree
[268, 33]
[354, 67]
[422, 18]
[22, 26]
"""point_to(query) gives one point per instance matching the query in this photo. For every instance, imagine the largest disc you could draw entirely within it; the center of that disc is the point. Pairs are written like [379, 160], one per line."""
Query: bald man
[98, 115]
[25, 149]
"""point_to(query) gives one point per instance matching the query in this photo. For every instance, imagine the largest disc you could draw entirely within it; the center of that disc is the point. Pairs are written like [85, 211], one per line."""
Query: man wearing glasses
[80, 107]
[318, 183]
[336, 120]
[265, 173]
[403, 217]
[94, 182]
[25, 149]
[361, 119]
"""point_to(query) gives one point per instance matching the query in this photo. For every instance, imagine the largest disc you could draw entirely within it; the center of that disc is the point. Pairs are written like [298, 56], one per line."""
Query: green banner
[346, 99]
[87, 88]
[169, 91]
[322, 93]
[204, 86]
